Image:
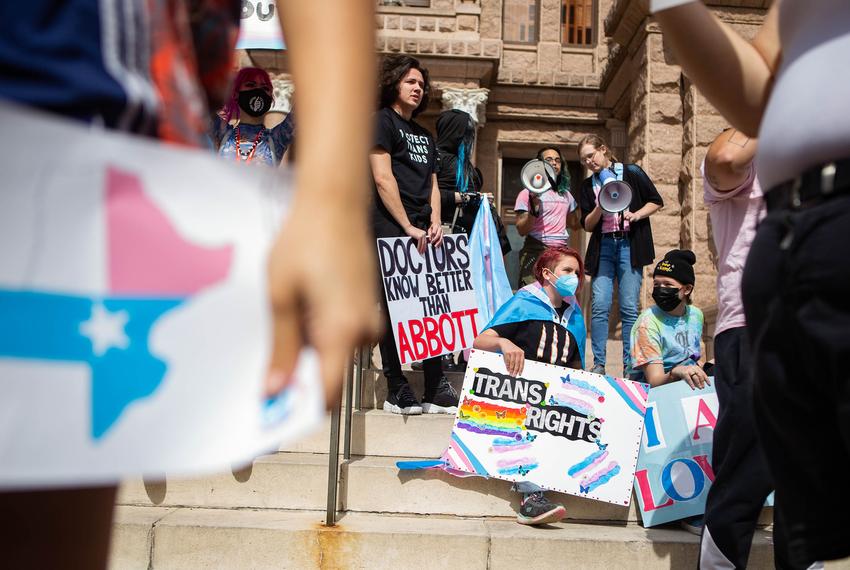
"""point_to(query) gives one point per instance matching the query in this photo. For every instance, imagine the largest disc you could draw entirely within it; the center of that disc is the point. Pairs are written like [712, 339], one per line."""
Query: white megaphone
[538, 176]
[615, 195]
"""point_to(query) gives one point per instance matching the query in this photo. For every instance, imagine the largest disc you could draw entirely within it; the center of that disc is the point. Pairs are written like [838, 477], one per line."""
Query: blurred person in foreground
[742, 480]
[71, 61]
[779, 87]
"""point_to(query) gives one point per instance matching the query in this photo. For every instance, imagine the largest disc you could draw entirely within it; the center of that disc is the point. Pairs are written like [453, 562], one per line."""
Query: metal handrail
[354, 371]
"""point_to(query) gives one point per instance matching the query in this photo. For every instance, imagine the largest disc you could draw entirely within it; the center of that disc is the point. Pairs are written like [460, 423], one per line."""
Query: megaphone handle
[622, 217]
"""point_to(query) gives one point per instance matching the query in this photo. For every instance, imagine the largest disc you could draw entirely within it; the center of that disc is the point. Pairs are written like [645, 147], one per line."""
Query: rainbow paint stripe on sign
[478, 416]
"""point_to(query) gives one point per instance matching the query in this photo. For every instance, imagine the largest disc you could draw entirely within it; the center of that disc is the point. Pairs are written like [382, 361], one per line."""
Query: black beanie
[678, 264]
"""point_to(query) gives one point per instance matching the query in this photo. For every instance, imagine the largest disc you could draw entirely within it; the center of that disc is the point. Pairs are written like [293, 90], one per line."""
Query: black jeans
[795, 291]
[742, 480]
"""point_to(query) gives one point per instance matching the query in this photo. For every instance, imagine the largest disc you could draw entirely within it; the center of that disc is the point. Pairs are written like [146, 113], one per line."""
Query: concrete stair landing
[271, 513]
[182, 538]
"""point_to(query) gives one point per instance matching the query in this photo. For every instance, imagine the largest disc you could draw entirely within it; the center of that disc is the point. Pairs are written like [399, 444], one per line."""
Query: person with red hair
[541, 322]
[242, 130]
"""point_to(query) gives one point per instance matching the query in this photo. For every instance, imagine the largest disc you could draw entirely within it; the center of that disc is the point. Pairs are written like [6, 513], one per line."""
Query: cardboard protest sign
[134, 318]
[431, 300]
[565, 430]
[674, 468]
[259, 26]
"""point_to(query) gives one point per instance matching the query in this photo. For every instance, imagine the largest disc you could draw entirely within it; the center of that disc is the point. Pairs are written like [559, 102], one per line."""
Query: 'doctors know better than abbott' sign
[430, 296]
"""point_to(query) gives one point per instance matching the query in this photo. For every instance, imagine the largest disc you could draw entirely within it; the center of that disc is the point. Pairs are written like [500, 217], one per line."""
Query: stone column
[471, 101]
[283, 90]
[617, 139]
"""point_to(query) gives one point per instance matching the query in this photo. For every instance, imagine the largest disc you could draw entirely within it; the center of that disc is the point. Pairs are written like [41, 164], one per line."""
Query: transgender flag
[134, 328]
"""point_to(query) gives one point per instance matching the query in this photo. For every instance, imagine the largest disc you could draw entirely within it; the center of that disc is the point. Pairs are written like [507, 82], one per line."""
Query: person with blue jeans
[620, 244]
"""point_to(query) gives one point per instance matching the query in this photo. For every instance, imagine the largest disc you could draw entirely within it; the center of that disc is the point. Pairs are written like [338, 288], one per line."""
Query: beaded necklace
[253, 145]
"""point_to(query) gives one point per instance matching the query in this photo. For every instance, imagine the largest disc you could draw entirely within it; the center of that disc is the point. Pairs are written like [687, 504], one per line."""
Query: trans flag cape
[489, 278]
[531, 303]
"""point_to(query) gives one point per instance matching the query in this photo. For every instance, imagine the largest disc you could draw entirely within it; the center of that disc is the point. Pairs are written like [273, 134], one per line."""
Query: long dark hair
[393, 69]
[563, 180]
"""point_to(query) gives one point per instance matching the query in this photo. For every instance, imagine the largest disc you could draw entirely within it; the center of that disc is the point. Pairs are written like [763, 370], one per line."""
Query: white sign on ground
[134, 326]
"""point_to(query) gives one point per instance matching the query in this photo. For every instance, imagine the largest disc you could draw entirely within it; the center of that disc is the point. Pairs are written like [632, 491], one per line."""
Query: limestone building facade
[536, 72]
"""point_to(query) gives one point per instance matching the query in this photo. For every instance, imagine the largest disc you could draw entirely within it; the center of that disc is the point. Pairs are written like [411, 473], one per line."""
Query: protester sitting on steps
[407, 203]
[666, 337]
[555, 314]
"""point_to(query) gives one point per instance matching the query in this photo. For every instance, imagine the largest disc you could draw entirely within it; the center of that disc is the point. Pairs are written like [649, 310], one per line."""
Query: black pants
[742, 479]
[432, 367]
[796, 300]
[391, 365]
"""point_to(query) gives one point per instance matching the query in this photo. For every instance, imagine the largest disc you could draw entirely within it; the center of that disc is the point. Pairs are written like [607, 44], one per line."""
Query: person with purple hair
[241, 129]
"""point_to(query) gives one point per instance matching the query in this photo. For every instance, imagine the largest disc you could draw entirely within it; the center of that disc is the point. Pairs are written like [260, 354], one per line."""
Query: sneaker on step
[444, 401]
[402, 401]
[535, 508]
[598, 369]
[693, 524]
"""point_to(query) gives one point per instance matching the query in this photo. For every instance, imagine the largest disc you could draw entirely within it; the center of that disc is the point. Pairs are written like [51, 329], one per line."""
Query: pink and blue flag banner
[134, 321]
[489, 279]
[565, 430]
[674, 468]
[259, 26]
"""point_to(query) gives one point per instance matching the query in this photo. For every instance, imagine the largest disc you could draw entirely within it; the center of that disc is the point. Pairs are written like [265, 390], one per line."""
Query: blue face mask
[566, 285]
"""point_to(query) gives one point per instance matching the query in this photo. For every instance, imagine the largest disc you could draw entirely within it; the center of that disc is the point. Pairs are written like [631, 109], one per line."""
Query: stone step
[186, 538]
[293, 481]
[276, 481]
[375, 484]
[367, 484]
[375, 432]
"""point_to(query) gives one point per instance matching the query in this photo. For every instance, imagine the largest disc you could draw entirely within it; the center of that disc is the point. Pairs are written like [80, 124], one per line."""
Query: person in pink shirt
[545, 219]
[742, 478]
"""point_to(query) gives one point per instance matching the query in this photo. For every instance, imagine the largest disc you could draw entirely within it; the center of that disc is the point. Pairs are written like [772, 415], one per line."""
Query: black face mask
[255, 102]
[667, 298]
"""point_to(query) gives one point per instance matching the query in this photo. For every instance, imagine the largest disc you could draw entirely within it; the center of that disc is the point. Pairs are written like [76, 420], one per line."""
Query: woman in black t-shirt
[407, 203]
[619, 246]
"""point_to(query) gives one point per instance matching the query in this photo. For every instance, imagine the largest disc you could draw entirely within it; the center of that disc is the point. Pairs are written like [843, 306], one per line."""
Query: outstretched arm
[321, 269]
[735, 75]
[729, 159]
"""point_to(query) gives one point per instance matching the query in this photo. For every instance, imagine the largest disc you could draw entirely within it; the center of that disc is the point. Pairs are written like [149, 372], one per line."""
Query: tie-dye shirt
[660, 337]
